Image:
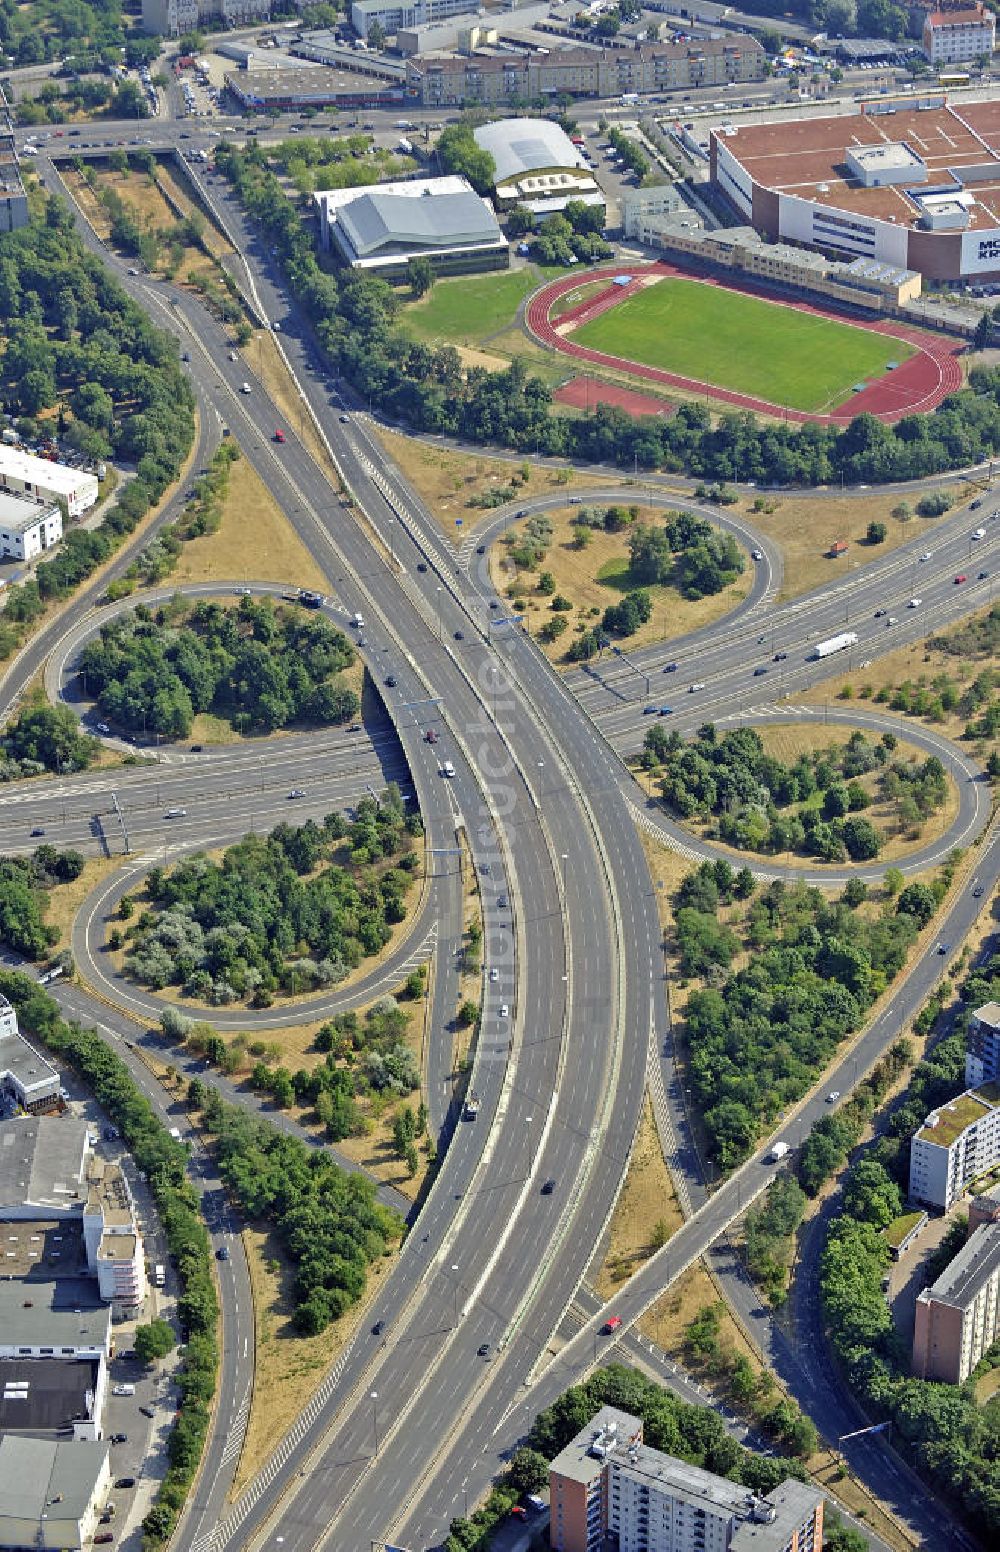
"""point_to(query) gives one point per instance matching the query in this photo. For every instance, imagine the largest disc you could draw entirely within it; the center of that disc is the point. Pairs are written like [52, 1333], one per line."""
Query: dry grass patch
[255, 541]
[65, 900]
[288, 1368]
[186, 202]
[647, 1212]
[446, 479]
[594, 577]
[667, 1321]
[805, 529]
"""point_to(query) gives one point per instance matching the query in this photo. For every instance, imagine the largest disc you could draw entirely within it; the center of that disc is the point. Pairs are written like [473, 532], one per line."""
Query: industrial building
[454, 81]
[960, 36]
[958, 1141]
[24, 474]
[537, 166]
[51, 1494]
[958, 1318]
[48, 1171]
[27, 528]
[910, 182]
[53, 1394]
[982, 1045]
[607, 1487]
[34, 1323]
[381, 229]
[27, 1080]
[317, 87]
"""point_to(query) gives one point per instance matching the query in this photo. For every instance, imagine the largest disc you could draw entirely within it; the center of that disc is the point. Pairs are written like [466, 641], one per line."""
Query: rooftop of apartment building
[39, 1248]
[118, 1247]
[949, 1121]
[964, 1277]
[41, 1157]
[988, 1014]
[107, 1191]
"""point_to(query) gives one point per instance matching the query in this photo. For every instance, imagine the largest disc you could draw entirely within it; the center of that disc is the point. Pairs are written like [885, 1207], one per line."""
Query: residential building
[35, 1324]
[911, 181]
[957, 1142]
[110, 1233]
[960, 36]
[27, 1080]
[442, 219]
[958, 1318]
[982, 1045]
[27, 528]
[984, 1208]
[393, 15]
[24, 474]
[584, 72]
[607, 1484]
[51, 1494]
[172, 18]
[13, 200]
[537, 166]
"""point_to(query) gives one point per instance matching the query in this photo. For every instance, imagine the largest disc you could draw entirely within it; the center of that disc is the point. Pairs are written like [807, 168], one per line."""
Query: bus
[954, 78]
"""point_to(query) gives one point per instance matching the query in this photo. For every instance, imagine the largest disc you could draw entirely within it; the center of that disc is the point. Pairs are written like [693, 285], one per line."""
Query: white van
[160, 1275]
[359, 622]
[447, 769]
[123, 1390]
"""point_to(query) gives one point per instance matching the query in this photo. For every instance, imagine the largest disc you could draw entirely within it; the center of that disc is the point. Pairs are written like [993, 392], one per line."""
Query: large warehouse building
[911, 182]
[441, 219]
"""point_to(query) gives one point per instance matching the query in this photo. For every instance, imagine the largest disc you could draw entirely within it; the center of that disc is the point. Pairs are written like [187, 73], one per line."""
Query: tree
[902, 512]
[153, 1341]
[375, 36]
[420, 275]
[918, 901]
[982, 334]
[875, 533]
[458, 152]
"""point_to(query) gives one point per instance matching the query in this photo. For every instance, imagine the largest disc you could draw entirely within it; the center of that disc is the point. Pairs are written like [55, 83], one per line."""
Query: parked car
[611, 1324]
[125, 1482]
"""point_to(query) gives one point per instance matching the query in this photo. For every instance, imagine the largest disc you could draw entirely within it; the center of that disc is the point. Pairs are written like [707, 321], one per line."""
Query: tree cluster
[686, 553]
[749, 793]
[163, 1161]
[629, 153]
[458, 153]
[759, 1036]
[24, 886]
[44, 738]
[331, 1223]
[356, 318]
[258, 666]
[575, 235]
[277, 913]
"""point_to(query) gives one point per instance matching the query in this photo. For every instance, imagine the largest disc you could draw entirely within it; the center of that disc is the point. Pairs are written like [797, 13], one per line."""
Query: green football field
[781, 354]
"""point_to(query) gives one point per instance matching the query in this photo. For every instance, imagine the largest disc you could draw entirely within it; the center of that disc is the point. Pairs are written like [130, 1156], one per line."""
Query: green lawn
[734, 341]
[468, 308]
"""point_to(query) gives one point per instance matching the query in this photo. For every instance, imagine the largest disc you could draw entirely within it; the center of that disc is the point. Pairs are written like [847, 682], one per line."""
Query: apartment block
[172, 18]
[982, 1045]
[960, 36]
[958, 1318]
[608, 1488]
[396, 15]
[449, 81]
[957, 1142]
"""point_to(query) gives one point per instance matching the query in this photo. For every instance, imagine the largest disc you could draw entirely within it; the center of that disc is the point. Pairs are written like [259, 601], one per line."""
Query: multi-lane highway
[571, 925]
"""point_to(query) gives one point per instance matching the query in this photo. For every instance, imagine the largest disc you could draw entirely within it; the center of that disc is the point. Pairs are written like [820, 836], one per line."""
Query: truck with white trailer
[779, 1151]
[835, 644]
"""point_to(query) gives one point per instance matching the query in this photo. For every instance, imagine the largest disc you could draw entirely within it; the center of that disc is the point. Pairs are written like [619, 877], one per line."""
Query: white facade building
[27, 528]
[24, 474]
[959, 37]
[51, 1494]
[958, 1141]
[380, 228]
[393, 15]
[172, 18]
[982, 1045]
[27, 1080]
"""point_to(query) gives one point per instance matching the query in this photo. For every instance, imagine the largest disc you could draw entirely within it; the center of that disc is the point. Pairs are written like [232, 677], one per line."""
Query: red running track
[918, 384]
[586, 393]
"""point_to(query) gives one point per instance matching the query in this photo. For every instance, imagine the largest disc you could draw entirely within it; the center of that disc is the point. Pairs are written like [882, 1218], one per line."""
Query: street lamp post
[374, 1401]
[454, 1273]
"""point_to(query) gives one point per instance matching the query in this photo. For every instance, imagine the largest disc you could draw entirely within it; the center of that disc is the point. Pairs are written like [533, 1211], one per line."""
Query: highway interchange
[546, 805]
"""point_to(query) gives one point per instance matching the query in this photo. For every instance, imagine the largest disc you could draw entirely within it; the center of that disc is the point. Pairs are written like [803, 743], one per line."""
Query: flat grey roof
[988, 1014]
[42, 1394]
[34, 1315]
[42, 1249]
[34, 1471]
[41, 1162]
[576, 1460]
[21, 1060]
[376, 221]
[895, 153]
[963, 1278]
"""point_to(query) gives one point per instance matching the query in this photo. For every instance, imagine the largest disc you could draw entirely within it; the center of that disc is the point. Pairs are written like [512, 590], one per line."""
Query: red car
[279, 435]
[430, 737]
[612, 1324]
[521, 1514]
[961, 578]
